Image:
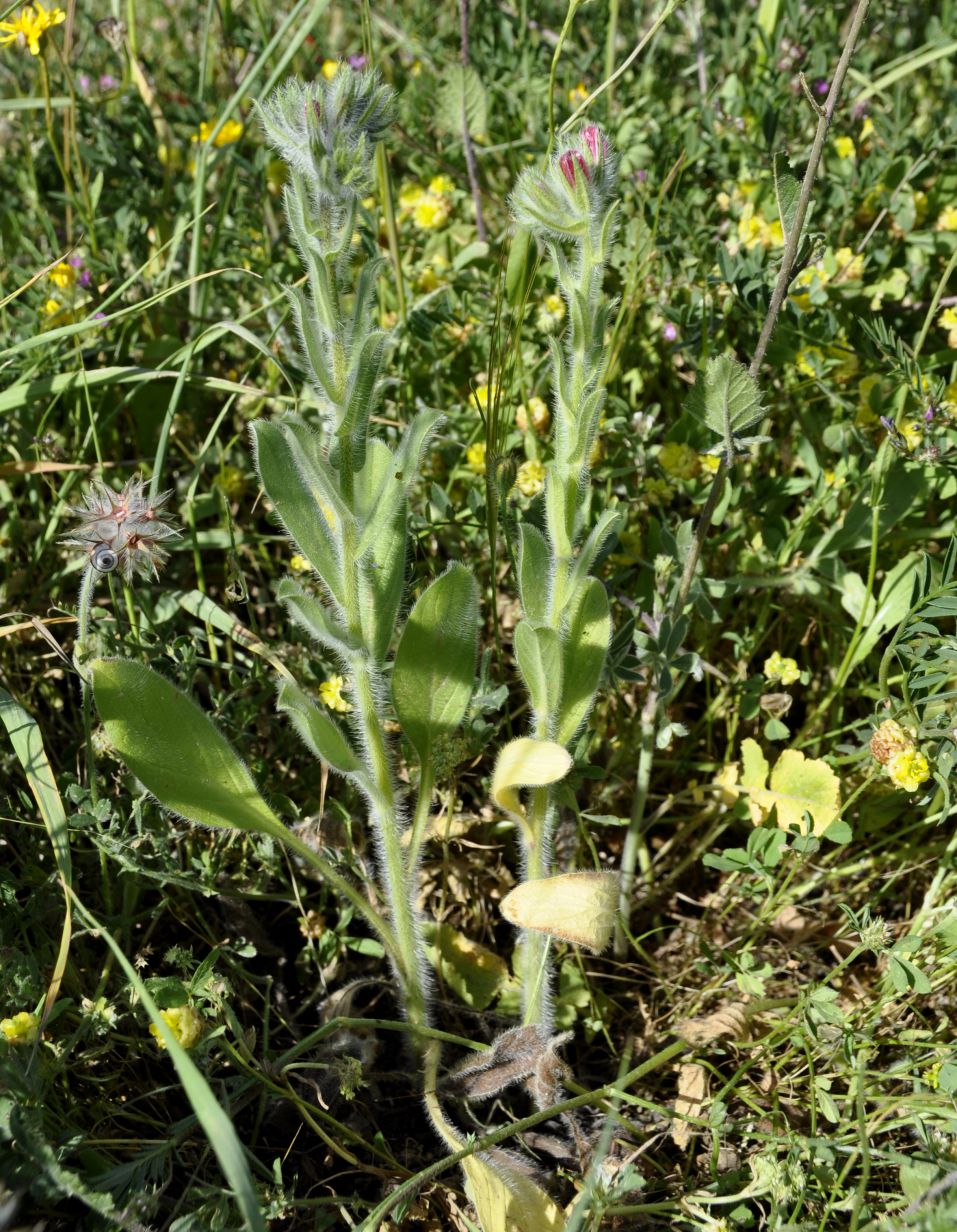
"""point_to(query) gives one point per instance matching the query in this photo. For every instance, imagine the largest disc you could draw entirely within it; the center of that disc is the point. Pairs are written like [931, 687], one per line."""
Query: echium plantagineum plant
[342, 494]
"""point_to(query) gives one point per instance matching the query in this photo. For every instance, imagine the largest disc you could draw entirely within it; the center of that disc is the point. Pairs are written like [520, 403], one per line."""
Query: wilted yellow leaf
[577, 907]
[526, 763]
[507, 1201]
[798, 785]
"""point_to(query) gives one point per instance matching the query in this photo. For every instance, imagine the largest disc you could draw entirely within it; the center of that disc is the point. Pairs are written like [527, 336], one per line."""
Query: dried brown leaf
[729, 1022]
[692, 1097]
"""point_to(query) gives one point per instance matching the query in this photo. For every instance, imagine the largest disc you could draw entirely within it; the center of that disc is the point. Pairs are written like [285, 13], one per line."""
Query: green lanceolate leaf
[319, 731]
[585, 647]
[399, 478]
[435, 663]
[539, 654]
[364, 377]
[381, 585]
[176, 751]
[606, 526]
[786, 189]
[312, 615]
[533, 572]
[727, 398]
[301, 500]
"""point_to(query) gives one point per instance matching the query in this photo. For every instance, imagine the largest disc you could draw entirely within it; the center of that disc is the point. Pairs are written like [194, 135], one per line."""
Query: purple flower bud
[107, 82]
[357, 63]
[641, 175]
[669, 332]
[76, 260]
[594, 143]
[85, 278]
[84, 81]
[821, 86]
[929, 414]
[569, 163]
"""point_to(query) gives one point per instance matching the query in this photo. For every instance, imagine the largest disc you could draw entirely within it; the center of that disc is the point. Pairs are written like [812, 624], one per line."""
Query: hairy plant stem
[633, 840]
[83, 607]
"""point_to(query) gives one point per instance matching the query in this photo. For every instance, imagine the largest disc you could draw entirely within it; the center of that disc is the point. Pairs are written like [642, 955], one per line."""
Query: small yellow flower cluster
[475, 457]
[551, 313]
[483, 393]
[678, 460]
[30, 24]
[231, 131]
[894, 748]
[948, 320]
[299, 564]
[533, 414]
[709, 462]
[578, 94]
[62, 276]
[810, 361]
[947, 218]
[754, 230]
[186, 1024]
[776, 667]
[844, 147]
[330, 68]
[429, 208]
[330, 693]
[530, 479]
[430, 278]
[658, 492]
[844, 265]
[22, 1028]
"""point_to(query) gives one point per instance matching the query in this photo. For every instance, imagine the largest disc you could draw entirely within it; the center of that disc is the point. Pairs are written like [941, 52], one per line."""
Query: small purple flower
[107, 82]
[84, 278]
[929, 414]
[357, 63]
[821, 86]
[84, 81]
[101, 317]
[76, 260]
[641, 175]
[670, 331]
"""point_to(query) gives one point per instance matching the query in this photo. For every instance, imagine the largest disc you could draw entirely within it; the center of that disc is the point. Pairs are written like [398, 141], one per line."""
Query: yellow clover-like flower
[947, 218]
[844, 147]
[299, 564]
[475, 457]
[330, 693]
[850, 265]
[908, 769]
[62, 275]
[231, 131]
[578, 94]
[658, 491]
[431, 211]
[533, 414]
[329, 69]
[777, 667]
[678, 460]
[530, 479]
[948, 320]
[186, 1024]
[21, 1029]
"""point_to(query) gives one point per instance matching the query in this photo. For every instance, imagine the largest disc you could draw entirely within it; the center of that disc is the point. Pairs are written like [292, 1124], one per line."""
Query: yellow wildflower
[912, 433]
[51, 308]
[750, 227]
[850, 265]
[431, 211]
[231, 131]
[809, 361]
[534, 414]
[330, 694]
[441, 185]
[867, 130]
[530, 479]
[483, 393]
[409, 197]
[22, 1028]
[299, 564]
[475, 457]
[170, 156]
[186, 1024]
[62, 275]
[29, 25]
[555, 305]
[948, 320]
[947, 218]
[678, 460]
[776, 667]
[844, 147]
[908, 769]
[578, 94]
[329, 69]
[709, 462]
[427, 281]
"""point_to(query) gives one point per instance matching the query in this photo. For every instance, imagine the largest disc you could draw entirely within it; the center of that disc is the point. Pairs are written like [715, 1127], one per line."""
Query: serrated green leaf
[727, 399]
[462, 102]
[434, 667]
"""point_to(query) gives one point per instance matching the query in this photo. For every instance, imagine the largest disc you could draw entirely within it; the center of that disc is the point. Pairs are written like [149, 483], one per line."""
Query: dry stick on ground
[634, 852]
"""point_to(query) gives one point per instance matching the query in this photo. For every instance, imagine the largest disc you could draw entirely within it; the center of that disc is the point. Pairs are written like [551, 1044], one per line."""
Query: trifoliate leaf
[727, 399]
[798, 785]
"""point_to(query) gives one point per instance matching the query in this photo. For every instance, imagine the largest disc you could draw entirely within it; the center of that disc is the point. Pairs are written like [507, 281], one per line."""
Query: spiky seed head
[122, 530]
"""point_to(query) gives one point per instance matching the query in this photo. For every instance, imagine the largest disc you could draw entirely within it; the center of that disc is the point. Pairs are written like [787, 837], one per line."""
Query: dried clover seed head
[122, 530]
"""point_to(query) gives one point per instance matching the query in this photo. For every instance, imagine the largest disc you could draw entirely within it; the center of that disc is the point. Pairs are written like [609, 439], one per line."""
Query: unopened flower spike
[122, 530]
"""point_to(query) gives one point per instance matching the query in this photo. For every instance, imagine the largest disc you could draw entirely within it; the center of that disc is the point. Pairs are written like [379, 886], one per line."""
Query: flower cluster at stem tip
[122, 530]
[569, 198]
[22, 1028]
[777, 667]
[29, 25]
[895, 749]
[185, 1023]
